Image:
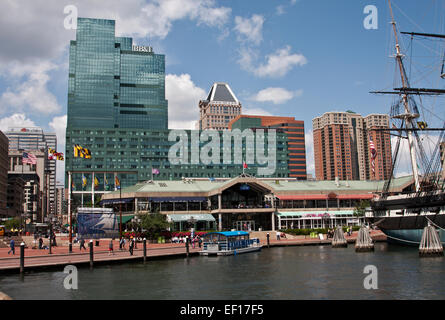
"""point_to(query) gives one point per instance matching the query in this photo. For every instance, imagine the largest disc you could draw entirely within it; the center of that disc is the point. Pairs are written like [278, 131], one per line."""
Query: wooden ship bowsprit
[402, 217]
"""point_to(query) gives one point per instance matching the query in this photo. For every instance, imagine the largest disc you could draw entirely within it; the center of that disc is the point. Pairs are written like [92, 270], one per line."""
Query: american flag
[29, 158]
[373, 154]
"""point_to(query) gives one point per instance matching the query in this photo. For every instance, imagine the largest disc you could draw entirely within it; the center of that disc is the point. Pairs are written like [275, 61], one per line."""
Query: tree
[12, 224]
[154, 223]
[360, 208]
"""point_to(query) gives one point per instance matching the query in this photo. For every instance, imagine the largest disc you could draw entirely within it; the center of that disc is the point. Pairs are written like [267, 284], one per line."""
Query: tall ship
[402, 217]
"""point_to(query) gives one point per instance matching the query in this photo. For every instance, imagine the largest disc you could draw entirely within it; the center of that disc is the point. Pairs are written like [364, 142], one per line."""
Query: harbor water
[297, 272]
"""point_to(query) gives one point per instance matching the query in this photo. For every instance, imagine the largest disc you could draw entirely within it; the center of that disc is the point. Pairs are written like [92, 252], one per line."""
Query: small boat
[228, 243]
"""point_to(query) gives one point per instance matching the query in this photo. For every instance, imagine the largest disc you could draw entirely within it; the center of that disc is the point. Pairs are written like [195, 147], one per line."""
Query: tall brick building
[342, 146]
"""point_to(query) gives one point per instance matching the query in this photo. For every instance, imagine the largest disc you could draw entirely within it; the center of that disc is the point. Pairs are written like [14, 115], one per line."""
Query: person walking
[82, 245]
[131, 246]
[110, 248]
[40, 243]
[12, 246]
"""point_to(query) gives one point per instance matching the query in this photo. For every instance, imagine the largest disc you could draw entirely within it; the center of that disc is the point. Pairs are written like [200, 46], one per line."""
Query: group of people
[38, 238]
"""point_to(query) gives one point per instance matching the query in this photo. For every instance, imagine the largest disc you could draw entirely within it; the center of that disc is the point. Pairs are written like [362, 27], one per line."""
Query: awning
[355, 196]
[177, 199]
[315, 214]
[125, 219]
[303, 197]
[187, 217]
[116, 201]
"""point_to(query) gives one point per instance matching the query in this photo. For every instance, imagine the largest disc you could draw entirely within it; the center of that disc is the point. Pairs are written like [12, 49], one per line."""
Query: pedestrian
[12, 246]
[131, 246]
[110, 248]
[40, 243]
[82, 245]
[121, 242]
[278, 235]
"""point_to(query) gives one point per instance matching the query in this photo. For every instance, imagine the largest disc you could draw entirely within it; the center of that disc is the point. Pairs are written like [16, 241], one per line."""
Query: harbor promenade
[40, 258]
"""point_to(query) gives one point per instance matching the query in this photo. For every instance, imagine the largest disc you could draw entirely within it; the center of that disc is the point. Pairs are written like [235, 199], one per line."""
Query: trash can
[97, 243]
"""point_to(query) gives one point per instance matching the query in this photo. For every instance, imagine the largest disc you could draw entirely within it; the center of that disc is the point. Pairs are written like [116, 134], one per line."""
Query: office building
[342, 146]
[294, 131]
[34, 140]
[220, 107]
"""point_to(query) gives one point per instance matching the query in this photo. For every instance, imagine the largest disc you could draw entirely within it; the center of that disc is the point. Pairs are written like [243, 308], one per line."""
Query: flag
[155, 171]
[29, 158]
[79, 151]
[106, 182]
[59, 156]
[51, 151]
[244, 165]
[73, 186]
[373, 153]
[84, 181]
[422, 125]
[96, 182]
[117, 183]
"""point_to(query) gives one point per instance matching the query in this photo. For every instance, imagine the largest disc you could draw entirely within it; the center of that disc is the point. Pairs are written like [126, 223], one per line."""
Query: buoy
[339, 240]
[430, 245]
[364, 242]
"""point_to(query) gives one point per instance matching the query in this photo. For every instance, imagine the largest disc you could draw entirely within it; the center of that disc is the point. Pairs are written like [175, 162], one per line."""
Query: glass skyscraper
[113, 84]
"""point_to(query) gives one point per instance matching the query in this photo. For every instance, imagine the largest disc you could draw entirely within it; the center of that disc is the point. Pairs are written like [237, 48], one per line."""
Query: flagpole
[69, 209]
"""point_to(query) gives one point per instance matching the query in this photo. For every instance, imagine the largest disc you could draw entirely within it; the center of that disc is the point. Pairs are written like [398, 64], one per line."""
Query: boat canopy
[230, 233]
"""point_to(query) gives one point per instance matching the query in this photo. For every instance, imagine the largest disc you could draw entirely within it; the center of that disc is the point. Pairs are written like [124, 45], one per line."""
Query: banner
[97, 225]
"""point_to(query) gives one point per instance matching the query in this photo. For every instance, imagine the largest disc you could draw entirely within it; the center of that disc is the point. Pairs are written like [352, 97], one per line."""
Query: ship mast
[407, 117]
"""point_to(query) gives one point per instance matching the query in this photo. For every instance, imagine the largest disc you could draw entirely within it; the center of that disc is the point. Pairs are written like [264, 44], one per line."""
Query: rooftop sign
[142, 48]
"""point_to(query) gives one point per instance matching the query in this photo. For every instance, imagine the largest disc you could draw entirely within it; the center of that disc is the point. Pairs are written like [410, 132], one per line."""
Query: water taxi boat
[228, 243]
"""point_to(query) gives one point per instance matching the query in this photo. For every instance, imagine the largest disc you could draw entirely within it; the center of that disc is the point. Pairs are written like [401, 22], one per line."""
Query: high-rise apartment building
[220, 107]
[342, 146]
[34, 139]
[294, 131]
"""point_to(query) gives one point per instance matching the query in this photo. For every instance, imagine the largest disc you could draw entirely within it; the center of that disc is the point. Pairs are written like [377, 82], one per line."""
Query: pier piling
[91, 253]
[145, 249]
[430, 245]
[22, 257]
[339, 240]
[364, 242]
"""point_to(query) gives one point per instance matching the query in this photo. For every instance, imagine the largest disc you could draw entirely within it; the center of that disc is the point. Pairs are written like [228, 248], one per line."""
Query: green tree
[154, 223]
[13, 224]
[360, 208]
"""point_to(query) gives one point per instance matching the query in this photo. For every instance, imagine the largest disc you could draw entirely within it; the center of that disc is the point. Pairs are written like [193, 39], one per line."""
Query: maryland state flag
[96, 182]
[81, 152]
[73, 186]
[422, 125]
[117, 183]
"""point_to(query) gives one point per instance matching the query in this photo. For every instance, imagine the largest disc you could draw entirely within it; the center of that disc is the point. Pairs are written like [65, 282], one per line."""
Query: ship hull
[407, 230]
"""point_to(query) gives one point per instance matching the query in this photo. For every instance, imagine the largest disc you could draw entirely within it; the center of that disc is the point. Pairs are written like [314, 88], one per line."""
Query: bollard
[50, 244]
[268, 241]
[91, 253]
[187, 247]
[70, 248]
[22, 257]
[145, 249]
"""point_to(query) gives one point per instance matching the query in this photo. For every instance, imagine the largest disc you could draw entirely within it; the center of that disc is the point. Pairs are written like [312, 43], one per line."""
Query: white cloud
[280, 10]
[256, 112]
[16, 120]
[31, 93]
[276, 95]
[183, 98]
[250, 30]
[278, 64]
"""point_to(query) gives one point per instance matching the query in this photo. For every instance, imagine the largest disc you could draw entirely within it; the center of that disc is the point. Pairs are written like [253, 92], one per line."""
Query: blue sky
[295, 58]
